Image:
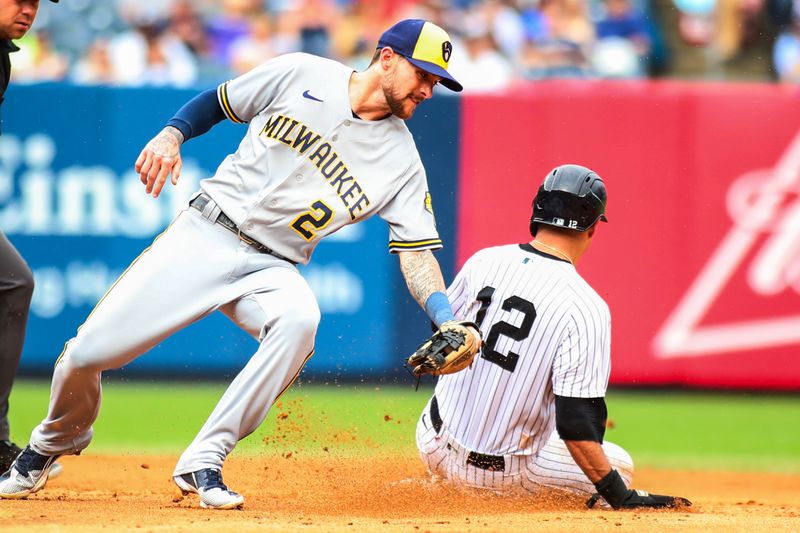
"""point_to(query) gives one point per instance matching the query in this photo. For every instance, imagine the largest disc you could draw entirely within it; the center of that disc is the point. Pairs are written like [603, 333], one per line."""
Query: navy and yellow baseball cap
[425, 45]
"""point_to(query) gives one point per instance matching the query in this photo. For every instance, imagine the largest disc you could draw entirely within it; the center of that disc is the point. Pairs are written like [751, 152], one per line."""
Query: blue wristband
[438, 308]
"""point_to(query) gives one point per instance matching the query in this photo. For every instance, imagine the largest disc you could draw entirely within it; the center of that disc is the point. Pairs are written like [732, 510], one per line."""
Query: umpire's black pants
[16, 289]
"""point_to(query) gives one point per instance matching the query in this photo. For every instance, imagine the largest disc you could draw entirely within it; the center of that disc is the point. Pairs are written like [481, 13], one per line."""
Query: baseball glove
[450, 349]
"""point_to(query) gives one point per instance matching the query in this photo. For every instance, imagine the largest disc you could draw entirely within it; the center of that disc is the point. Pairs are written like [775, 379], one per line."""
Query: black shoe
[8, 452]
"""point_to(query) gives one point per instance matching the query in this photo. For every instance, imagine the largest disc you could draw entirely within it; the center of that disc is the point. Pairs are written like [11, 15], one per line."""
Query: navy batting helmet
[571, 197]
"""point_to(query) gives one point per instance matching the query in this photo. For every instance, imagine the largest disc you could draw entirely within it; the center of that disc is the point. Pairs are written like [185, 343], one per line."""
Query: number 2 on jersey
[317, 217]
[488, 352]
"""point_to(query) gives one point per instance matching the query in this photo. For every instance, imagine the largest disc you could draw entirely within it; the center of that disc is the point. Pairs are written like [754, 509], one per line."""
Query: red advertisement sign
[700, 262]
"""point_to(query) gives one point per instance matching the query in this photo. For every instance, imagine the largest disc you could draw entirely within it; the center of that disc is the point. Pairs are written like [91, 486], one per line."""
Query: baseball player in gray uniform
[544, 364]
[325, 147]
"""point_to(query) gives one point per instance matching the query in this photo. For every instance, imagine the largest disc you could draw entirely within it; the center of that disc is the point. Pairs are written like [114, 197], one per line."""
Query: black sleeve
[581, 418]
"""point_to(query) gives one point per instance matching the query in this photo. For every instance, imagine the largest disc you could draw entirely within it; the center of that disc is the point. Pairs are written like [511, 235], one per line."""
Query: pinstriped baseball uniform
[546, 332]
[305, 168]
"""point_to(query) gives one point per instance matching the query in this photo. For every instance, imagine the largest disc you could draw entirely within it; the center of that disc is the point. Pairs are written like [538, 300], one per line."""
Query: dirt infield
[113, 493]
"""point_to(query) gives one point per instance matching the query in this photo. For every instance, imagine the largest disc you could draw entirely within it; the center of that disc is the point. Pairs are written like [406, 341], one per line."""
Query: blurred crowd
[196, 43]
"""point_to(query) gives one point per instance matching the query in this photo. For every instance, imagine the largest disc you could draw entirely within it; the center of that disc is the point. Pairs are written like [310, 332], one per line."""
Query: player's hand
[613, 490]
[635, 499]
[160, 158]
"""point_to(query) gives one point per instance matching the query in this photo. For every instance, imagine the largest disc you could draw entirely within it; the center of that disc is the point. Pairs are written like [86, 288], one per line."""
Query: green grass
[659, 429]
[163, 417]
[704, 430]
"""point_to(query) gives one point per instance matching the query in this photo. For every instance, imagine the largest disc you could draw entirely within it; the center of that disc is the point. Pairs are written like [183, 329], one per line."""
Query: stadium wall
[699, 262]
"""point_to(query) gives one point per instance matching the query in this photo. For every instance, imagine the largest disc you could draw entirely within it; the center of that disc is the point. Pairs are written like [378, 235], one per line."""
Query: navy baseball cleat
[28, 474]
[207, 483]
[8, 452]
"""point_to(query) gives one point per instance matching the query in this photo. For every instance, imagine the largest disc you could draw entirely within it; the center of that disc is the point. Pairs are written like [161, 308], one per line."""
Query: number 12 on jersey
[517, 333]
[317, 217]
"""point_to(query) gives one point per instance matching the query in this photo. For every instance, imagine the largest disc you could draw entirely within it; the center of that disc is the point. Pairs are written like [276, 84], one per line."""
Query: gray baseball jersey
[307, 167]
[546, 332]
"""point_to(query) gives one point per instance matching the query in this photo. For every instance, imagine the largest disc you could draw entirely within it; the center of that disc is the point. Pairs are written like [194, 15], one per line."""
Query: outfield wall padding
[700, 262]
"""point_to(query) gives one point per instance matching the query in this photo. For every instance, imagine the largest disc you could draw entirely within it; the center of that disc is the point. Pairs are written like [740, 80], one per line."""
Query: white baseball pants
[192, 269]
[552, 467]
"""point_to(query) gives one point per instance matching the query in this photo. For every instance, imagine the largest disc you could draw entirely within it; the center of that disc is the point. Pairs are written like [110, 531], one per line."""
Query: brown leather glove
[450, 349]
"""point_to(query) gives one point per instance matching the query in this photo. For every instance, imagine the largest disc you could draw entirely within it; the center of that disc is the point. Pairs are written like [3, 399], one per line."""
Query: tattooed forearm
[422, 273]
[167, 143]
[170, 131]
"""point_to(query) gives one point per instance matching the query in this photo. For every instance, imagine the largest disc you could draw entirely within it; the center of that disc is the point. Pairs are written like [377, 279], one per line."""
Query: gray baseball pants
[192, 269]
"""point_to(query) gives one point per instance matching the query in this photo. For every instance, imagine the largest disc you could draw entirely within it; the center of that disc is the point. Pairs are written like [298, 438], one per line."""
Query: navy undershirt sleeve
[198, 115]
